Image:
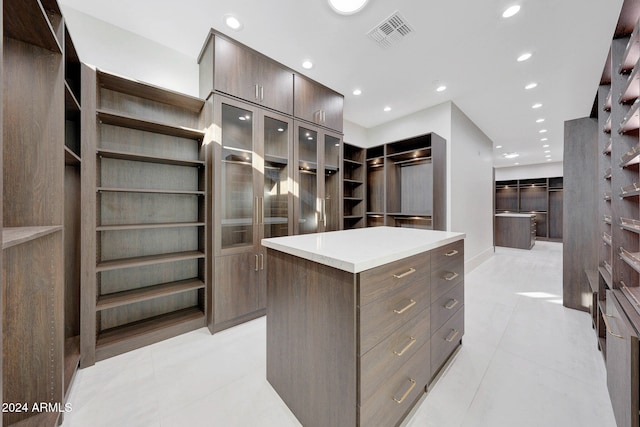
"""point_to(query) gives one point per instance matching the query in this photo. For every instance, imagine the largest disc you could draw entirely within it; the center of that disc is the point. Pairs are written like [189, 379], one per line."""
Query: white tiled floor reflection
[525, 360]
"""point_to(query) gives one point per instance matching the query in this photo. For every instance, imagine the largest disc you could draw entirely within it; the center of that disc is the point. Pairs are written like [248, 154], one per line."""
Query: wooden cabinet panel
[317, 104]
[515, 231]
[383, 316]
[376, 282]
[386, 358]
[446, 306]
[445, 340]
[447, 253]
[622, 363]
[398, 393]
[445, 277]
[246, 74]
[237, 292]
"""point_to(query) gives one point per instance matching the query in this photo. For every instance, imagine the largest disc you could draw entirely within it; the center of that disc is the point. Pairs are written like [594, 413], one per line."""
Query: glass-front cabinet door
[238, 203]
[318, 154]
[332, 200]
[275, 207]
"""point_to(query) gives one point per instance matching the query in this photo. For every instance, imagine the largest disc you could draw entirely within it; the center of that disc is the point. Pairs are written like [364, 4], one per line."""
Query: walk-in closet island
[361, 321]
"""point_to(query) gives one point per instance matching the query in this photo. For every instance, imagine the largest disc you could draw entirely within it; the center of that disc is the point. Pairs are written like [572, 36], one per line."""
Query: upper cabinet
[317, 104]
[230, 68]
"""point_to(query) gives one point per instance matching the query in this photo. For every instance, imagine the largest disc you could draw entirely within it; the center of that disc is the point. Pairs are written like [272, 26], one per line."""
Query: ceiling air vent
[391, 30]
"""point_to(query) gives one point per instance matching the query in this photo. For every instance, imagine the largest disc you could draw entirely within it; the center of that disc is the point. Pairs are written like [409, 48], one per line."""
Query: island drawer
[379, 281]
[445, 277]
[398, 392]
[446, 306]
[445, 340]
[445, 254]
[380, 318]
[384, 359]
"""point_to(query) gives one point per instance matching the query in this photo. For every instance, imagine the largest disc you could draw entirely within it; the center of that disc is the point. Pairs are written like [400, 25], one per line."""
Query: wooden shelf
[607, 126]
[630, 225]
[12, 236]
[410, 214]
[276, 159]
[353, 199]
[28, 22]
[632, 190]
[607, 174]
[607, 149]
[632, 294]
[631, 53]
[606, 238]
[631, 258]
[150, 292]
[631, 157]
[592, 278]
[631, 89]
[147, 260]
[352, 181]
[71, 158]
[71, 103]
[119, 227]
[607, 196]
[71, 361]
[353, 217]
[122, 120]
[148, 190]
[123, 155]
[144, 90]
[607, 219]
[631, 120]
[607, 102]
[138, 334]
[605, 272]
[353, 162]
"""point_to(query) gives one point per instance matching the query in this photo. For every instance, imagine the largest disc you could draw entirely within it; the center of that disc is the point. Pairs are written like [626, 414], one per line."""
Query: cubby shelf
[123, 155]
[124, 120]
[118, 299]
[147, 260]
[12, 236]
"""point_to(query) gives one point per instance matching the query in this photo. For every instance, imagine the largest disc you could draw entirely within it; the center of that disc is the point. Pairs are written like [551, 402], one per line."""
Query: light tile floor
[525, 361]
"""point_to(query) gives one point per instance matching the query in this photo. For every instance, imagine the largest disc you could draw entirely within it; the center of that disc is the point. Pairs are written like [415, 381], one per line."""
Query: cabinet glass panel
[331, 206]
[237, 177]
[276, 184]
[308, 180]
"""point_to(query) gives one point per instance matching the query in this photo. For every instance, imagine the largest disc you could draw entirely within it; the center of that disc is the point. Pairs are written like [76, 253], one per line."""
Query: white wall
[355, 134]
[544, 170]
[472, 187]
[122, 52]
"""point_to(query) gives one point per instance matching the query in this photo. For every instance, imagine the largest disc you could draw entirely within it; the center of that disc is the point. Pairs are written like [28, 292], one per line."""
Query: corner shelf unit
[354, 185]
[406, 183]
[147, 269]
[540, 196]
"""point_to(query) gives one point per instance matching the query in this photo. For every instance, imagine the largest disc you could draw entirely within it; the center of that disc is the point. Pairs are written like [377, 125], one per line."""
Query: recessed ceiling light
[539, 120]
[498, 146]
[441, 88]
[387, 108]
[357, 92]
[509, 12]
[545, 145]
[531, 85]
[338, 145]
[548, 160]
[510, 155]
[307, 65]
[232, 22]
[516, 163]
[542, 131]
[347, 7]
[524, 57]
[537, 105]
[547, 151]
[547, 155]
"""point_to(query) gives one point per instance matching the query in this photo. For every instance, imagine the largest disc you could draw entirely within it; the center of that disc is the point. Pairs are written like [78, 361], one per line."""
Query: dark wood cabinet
[317, 104]
[252, 174]
[515, 230]
[318, 157]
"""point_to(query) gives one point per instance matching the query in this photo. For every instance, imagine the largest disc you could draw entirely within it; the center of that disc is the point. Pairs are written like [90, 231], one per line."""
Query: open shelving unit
[147, 268]
[353, 186]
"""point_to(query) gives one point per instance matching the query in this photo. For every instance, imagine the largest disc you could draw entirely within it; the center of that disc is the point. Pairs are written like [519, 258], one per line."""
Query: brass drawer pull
[406, 347]
[405, 274]
[606, 323]
[451, 253]
[411, 304]
[451, 304]
[256, 262]
[452, 335]
[406, 393]
[450, 276]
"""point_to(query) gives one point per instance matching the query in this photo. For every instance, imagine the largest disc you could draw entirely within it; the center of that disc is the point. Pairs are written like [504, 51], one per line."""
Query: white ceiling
[464, 44]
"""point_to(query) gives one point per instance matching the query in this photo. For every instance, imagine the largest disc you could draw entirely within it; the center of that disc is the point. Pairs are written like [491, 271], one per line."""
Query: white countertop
[516, 215]
[362, 248]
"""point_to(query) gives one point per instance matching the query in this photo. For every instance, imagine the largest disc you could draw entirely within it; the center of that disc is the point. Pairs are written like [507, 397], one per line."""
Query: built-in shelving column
[354, 186]
[375, 186]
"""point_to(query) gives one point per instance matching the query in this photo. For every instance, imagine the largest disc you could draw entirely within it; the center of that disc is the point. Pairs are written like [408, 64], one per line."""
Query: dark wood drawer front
[398, 392]
[446, 306]
[387, 357]
[446, 254]
[445, 340]
[445, 277]
[380, 318]
[376, 282]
